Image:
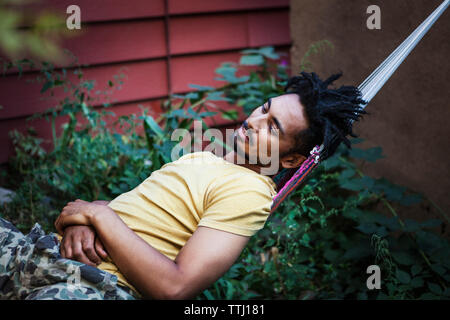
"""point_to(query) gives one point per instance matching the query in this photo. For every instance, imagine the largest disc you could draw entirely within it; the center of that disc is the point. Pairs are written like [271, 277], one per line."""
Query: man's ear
[292, 160]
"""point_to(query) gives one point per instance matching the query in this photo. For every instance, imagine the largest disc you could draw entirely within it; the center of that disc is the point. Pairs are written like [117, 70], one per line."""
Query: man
[183, 227]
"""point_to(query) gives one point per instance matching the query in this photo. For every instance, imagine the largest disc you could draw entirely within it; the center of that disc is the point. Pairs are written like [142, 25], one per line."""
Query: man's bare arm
[207, 255]
[101, 202]
[80, 243]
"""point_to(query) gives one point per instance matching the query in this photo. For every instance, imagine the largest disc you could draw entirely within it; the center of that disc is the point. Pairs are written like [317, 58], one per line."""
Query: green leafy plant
[86, 155]
[321, 240]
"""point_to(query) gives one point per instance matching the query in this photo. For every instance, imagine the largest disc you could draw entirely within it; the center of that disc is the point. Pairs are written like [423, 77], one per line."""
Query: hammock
[289, 179]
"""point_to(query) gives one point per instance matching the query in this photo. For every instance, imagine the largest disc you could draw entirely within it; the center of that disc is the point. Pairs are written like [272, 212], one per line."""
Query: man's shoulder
[204, 157]
[221, 173]
[247, 180]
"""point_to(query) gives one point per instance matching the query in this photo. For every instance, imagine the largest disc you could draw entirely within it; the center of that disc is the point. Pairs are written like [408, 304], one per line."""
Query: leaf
[85, 109]
[356, 140]
[403, 276]
[165, 150]
[46, 86]
[436, 289]
[431, 223]
[180, 113]
[233, 272]
[193, 113]
[415, 269]
[384, 186]
[331, 255]
[208, 295]
[411, 199]
[447, 292]
[268, 52]
[200, 88]
[358, 184]
[403, 258]
[367, 228]
[251, 60]
[149, 123]
[192, 96]
[347, 173]
[315, 48]
[331, 163]
[217, 96]
[230, 115]
[416, 282]
[250, 51]
[305, 240]
[392, 223]
[362, 296]
[207, 114]
[371, 154]
[353, 213]
[427, 296]
[230, 291]
[428, 241]
[411, 225]
[442, 256]
[89, 85]
[357, 252]
[228, 72]
[438, 269]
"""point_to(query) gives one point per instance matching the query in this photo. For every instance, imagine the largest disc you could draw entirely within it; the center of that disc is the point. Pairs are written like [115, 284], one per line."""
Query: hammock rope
[289, 179]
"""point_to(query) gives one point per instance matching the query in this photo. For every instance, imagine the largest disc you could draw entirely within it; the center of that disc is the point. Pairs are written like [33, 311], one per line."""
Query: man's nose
[249, 125]
[254, 123]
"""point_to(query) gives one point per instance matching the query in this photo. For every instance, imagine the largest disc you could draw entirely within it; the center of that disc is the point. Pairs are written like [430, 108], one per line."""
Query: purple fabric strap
[297, 178]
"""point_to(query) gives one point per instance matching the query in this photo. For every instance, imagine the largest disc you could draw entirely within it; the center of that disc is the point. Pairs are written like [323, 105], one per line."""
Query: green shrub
[321, 240]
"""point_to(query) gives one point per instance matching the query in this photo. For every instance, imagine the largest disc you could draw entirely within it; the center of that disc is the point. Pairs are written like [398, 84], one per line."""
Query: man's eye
[272, 126]
[263, 109]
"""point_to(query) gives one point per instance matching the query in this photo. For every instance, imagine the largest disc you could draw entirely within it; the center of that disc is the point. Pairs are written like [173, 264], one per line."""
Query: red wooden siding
[106, 10]
[130, 37]
[195, 6]
[140, 83]
[121, 41]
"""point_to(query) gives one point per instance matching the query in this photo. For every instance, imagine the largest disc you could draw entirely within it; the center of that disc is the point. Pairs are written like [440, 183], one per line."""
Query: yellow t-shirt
[199, 189]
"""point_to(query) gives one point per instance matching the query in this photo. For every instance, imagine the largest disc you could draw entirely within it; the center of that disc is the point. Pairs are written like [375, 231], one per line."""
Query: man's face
[277, 121]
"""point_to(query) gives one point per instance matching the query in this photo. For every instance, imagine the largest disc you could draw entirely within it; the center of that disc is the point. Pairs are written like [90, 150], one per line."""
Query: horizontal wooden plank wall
[130, 38]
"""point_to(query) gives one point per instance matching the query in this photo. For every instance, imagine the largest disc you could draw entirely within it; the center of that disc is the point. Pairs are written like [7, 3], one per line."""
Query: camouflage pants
[32, 268]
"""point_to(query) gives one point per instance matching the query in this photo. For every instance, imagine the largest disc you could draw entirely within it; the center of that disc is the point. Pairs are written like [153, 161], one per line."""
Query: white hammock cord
[373, 83]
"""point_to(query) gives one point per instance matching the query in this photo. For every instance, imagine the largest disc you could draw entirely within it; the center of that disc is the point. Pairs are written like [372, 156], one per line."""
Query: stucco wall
[410, 115]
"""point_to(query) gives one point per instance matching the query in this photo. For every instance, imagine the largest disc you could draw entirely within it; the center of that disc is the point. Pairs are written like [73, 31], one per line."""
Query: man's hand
[78, 212]
[80, 243]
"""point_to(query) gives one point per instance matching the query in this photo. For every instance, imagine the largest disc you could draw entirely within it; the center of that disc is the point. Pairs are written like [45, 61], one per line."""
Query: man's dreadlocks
[329, 112]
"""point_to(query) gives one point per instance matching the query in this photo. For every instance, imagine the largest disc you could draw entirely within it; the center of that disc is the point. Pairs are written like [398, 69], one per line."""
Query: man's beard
[241, 152]
[238, 150]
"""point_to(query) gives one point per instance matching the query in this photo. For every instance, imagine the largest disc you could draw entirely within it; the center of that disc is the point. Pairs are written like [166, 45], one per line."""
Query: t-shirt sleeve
[239, 204]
